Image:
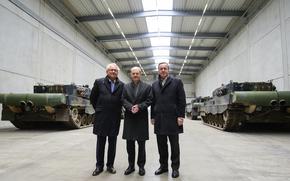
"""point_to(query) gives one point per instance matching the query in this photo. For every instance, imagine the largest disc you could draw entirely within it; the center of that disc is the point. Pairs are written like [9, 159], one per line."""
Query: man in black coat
[106, 100]
[137, 97]
[167, 114]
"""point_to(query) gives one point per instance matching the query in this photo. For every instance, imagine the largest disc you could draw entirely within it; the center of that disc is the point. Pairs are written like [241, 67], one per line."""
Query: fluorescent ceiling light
[160, 41]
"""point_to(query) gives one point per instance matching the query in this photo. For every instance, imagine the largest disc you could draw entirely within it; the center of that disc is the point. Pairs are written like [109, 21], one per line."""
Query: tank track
[77, 119]
[227, 121]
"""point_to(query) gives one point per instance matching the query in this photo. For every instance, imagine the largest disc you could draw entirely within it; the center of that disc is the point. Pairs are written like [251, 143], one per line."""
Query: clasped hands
[135, 109]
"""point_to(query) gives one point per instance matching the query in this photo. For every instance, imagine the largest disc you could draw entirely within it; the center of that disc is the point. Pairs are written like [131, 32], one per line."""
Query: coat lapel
[131, 92]
[140, 90]
[107, 84]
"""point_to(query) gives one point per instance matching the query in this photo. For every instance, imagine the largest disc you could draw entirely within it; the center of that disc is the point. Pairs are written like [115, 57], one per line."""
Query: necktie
[112, 87]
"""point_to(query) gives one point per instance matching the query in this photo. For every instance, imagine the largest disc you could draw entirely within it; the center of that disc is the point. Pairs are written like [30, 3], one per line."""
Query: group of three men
[167, 100]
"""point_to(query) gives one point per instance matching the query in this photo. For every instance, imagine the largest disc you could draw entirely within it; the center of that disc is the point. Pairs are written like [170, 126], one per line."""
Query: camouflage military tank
[67, 104]
[250, 102]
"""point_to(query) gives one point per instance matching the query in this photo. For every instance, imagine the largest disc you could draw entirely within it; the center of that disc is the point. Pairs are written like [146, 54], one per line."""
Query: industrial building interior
[207, 43]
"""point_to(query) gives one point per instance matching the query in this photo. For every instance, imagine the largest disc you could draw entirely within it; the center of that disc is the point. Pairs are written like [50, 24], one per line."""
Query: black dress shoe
[141, 171]
[111, 170]
[175, 173]
[161, 170]
[129, 170]
[97, 171]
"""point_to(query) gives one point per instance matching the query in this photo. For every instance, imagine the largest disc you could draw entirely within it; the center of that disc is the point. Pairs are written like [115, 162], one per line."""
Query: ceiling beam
[171, 65]
[175, 69]
[200, 35]
[142, 14]
[172, 72]
[163, 57]
[196, 48]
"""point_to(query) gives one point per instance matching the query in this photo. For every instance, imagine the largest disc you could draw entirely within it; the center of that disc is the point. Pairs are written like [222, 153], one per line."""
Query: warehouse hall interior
[145, 90]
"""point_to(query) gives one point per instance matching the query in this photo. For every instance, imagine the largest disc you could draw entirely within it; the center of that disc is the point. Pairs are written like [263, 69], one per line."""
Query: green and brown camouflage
[68, 104]
[247, 102]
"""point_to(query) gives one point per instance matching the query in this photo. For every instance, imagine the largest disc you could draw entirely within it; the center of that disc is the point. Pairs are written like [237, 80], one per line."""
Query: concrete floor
[206, 154]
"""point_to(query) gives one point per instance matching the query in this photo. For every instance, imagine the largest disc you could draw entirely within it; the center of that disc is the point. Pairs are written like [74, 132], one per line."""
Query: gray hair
[136, 68]
[112, 65]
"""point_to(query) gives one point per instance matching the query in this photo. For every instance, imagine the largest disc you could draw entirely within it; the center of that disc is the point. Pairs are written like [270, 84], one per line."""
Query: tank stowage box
[249, 102]
[69, 104]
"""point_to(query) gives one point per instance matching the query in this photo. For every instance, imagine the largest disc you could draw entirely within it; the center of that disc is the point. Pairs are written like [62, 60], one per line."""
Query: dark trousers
[131, 153]
[163, 151]
[100, 150]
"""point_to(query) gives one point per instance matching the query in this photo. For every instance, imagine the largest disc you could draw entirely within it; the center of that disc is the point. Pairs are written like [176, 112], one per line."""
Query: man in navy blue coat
[167, 115]
[106, 100]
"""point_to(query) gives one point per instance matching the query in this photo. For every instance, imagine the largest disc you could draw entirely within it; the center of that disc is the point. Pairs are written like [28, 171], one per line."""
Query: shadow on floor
[265, 128]
[37, 126]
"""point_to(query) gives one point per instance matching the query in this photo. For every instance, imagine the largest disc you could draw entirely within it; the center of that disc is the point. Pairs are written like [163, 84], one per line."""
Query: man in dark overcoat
[137, 97]
[106, 99]
[167, 115]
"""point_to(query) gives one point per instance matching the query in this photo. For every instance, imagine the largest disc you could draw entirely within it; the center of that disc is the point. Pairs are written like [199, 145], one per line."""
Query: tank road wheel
[231, 120]
[227, 120]
[74, 120]
[91, 119]
[83, 120]
[209, 121]
[206, 118]
[220, 121]
[216, 120]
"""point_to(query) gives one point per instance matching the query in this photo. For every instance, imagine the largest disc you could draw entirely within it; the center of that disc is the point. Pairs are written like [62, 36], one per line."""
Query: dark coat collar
[140, 89]
[168, 81]
[108, 84]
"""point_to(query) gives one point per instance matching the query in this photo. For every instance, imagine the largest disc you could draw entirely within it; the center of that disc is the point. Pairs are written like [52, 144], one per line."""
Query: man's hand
[135, 109]
[152, 121]
[180, 121]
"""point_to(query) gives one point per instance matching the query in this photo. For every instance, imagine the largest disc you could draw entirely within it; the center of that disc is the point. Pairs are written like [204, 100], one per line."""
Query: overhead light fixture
[195, 33]
[159, 24]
